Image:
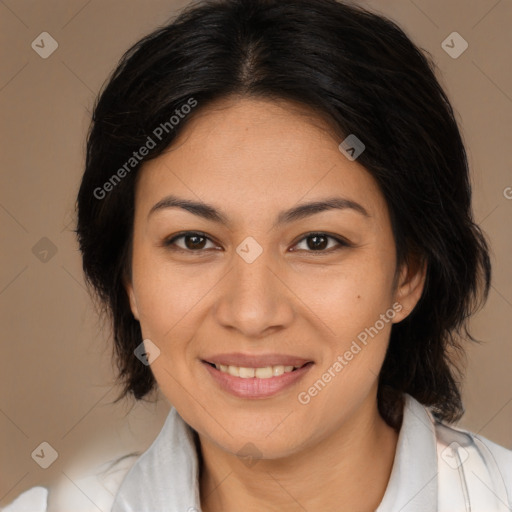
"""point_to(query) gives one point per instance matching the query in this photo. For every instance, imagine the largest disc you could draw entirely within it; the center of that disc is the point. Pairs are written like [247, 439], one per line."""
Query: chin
[250, 440]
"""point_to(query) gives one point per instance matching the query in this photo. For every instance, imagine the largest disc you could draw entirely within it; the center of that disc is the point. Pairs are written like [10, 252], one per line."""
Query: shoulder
[487, 449]
[34, 499]
[483, 458]
[92, 491]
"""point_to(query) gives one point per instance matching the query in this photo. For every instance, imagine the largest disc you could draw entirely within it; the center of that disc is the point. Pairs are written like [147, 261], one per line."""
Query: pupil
[194, 244]
[316, 245]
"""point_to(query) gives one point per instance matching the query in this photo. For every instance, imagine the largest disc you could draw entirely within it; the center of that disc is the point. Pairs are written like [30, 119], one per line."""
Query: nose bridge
[253, 298]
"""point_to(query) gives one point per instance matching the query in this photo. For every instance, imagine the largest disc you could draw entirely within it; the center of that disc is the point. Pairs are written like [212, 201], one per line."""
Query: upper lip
[256, 361]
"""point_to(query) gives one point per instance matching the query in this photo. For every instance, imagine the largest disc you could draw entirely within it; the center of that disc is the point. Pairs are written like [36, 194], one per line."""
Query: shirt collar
[412, 486]
[165, 477]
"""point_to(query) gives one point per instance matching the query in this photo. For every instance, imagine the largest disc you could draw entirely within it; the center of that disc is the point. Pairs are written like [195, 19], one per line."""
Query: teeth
[246, 372]
[265, 373]
[234, 370]
[261, 373]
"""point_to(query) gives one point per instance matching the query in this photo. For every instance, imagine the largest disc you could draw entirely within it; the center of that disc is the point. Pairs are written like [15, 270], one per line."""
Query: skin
[251, 159]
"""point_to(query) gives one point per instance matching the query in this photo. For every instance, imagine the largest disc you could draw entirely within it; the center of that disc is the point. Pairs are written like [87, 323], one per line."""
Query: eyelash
[170, 243]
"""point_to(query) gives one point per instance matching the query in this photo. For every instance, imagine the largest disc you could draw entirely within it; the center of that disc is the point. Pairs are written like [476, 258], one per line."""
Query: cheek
[357, 308]
[166, 294]
[353, 296]
[166, 300]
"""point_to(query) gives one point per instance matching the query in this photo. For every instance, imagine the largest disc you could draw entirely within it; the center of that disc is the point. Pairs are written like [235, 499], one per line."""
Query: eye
[318, 242]
[193, 241]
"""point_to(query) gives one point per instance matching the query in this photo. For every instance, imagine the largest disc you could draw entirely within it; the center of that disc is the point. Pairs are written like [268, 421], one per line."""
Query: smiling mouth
[266, 372]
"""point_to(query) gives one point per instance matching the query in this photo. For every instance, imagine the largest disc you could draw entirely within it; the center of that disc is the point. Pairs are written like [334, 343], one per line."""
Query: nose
[254, 298]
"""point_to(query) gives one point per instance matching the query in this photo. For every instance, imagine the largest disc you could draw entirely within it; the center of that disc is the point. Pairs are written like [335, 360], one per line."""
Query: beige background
[56, 369]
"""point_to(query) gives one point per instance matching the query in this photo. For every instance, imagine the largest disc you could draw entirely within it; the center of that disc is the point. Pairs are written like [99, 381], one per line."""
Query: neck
[348, 470]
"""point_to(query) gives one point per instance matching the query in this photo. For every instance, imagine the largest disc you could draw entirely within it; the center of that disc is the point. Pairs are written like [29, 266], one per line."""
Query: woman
[276, 214]
[276, 199]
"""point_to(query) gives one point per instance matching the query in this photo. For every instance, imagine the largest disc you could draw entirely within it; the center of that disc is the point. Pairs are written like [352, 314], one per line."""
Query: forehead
[260, 153]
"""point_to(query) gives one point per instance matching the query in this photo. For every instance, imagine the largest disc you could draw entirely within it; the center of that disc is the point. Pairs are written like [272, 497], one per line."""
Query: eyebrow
[301, 211]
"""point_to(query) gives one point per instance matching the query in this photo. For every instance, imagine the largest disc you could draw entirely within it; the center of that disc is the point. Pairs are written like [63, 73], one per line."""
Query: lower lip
[254, 387]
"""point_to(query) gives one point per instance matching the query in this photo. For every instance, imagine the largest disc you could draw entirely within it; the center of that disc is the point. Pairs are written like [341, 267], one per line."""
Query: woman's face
[252, 287]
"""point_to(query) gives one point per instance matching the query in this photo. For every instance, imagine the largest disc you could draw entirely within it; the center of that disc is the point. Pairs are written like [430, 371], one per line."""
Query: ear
[409, 286]
[131, 297]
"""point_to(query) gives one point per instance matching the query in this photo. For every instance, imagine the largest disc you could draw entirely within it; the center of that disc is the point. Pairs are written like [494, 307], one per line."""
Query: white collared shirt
[437, 468]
